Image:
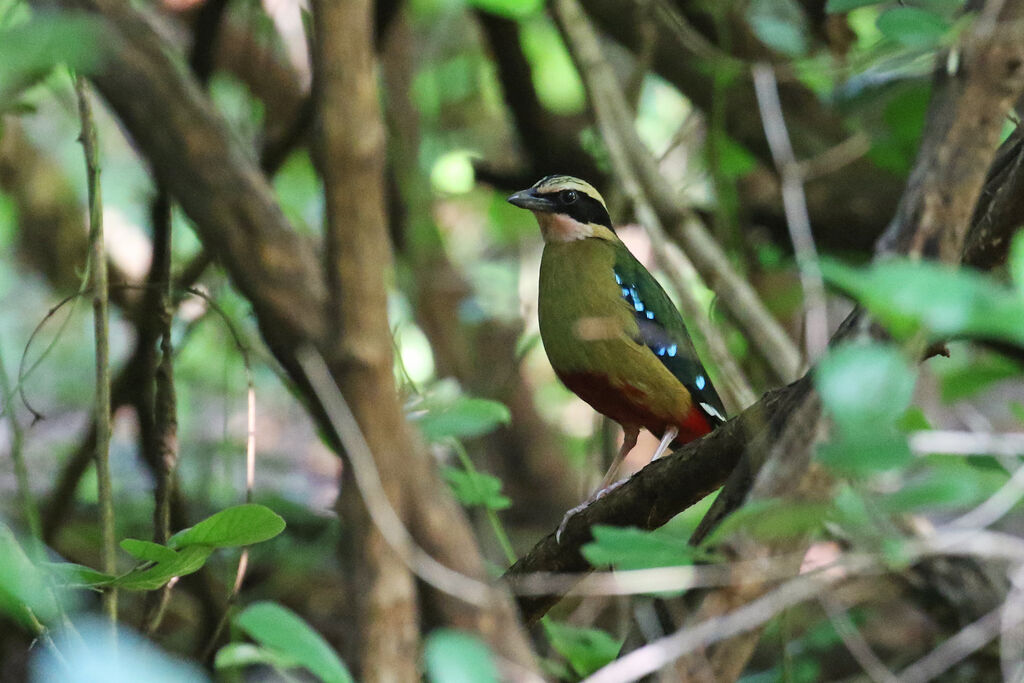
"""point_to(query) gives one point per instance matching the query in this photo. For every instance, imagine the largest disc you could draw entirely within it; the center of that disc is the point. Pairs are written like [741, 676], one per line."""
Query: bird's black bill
[528, 199]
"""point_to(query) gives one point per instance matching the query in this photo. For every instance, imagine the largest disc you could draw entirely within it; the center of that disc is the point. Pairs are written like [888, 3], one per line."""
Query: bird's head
[567, 209]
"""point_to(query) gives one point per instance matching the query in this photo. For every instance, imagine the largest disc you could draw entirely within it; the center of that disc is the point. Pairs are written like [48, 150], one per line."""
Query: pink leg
[668, 437]
[630, 435]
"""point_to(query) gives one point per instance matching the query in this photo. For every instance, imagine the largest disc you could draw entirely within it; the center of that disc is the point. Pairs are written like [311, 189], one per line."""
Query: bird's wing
[661, 329]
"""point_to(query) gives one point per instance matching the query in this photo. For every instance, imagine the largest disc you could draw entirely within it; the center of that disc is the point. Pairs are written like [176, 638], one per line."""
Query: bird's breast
[590, 335]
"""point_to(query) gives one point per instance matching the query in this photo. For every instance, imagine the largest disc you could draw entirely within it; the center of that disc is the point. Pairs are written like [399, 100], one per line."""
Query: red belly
[628, 405]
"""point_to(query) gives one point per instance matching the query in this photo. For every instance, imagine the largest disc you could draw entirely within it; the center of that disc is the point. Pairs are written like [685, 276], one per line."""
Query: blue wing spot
[672, 350]
[661, 351]
[638, 305]
[618, 280]
[650, 315]
[700, 382]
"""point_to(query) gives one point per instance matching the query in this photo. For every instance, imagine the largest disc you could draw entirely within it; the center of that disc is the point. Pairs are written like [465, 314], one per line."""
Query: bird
[612, 334]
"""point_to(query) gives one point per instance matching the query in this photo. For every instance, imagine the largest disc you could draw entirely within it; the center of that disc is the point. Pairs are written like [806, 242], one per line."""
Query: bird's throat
[558, 227]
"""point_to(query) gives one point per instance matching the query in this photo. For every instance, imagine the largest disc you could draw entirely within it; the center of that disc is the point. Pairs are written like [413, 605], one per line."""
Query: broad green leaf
[236, 526]
[24, 592]
[454, 657]
[1016, 261]
[463, 418]
[281, 630]
[772, 519]
[936, 490]
[779, 24]
[476, 489]
[851, 511]
[865, 384]
[186, 561]
[587, 649]
[966, 380]
[912, 420]
[148, 551]
[632, 548]
[840, 6]
[76, 575]
[908, 296]
[234, 655]
[29, 51]
[510, 9]
[862, 450]
[913, 27]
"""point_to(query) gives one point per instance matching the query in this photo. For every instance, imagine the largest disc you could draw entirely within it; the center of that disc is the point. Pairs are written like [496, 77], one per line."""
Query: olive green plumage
[611, 332]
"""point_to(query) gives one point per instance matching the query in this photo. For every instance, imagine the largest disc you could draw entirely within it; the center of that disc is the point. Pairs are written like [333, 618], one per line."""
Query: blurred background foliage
[481, 98]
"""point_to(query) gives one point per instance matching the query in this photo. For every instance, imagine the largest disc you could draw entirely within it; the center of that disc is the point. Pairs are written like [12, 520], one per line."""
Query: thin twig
[855, 643]
[794, 204]
[384, 516]
[28, 504]
[653, 656]
[971, 638]
[164, 442]
[101, 324]
[952, 442]
[1011, 638]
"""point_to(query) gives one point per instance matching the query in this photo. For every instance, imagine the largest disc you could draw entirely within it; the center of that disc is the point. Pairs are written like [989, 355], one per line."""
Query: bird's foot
[600, 493]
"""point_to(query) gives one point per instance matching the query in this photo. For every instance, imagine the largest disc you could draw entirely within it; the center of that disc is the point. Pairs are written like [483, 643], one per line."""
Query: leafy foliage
[453, 657]
[284, 640]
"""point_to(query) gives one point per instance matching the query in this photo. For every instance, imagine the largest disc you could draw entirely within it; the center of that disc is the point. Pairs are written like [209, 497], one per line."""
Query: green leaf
[236, 526]
[632, 548]
[772, 519]
[587, 649]
[841, 6]
[282, 631]
[912, 420]
[865, 384]
[510, 9]
[1016, 261]
[463, 418]
[24, 592]
[76, 575]
[779, 24]
[967, 380]
[188, 560]
[936, 490]
[908, 296]
[148, 551]
[1017, 408]
[913, 27]
[453, 657]
[863, 450]
[29, 51]
[476, 488]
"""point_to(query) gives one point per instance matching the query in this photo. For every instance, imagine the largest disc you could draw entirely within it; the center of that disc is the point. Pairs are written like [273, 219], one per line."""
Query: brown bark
[358, 262]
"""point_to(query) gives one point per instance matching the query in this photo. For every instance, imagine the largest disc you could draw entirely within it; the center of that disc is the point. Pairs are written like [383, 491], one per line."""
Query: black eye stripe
[586, 209]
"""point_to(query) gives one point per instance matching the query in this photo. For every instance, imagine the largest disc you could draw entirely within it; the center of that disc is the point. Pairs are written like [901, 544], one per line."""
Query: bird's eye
[568, 196]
